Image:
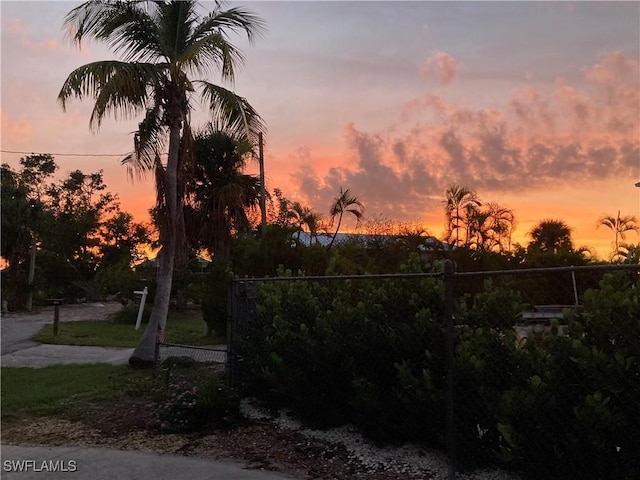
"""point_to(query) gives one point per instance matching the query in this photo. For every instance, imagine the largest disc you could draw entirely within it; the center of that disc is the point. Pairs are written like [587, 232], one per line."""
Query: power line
[67, 154]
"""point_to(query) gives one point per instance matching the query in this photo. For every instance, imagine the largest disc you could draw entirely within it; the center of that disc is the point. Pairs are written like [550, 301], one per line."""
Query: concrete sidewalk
[65, 463]
[43, 355]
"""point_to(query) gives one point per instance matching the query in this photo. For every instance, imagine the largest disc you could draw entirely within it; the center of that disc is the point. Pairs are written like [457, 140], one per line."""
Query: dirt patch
[127, 424]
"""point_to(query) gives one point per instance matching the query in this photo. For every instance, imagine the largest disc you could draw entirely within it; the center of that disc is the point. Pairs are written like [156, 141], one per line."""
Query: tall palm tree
[551, 236]
[217, 193]
[162, 44]
[620, 226]
[344, 203]
[459, 200]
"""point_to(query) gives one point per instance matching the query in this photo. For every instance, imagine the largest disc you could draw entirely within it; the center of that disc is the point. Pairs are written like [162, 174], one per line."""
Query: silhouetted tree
[551, 236]
[344, 203]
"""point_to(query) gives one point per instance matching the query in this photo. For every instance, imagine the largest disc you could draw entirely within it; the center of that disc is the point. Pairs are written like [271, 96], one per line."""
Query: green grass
[60, 388]
[185, 328]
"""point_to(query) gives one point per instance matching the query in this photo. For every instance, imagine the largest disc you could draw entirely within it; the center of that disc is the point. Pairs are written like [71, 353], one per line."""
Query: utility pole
[263, 208]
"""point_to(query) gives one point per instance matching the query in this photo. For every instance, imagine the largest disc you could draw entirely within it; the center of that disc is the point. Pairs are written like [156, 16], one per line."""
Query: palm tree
[502, 224]
[619, 225]
[478, 228]
[302, 216]
[217, 193]
[459, 199]
[162, 44]
[345, 202]
[629, 252]
[551, 236]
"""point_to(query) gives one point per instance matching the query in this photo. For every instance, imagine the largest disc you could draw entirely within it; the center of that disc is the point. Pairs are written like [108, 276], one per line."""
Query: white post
[141, 309]
[575, 287]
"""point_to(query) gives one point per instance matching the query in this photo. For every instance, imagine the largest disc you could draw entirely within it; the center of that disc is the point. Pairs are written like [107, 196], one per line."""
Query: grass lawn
[184, 327]
[61, 388]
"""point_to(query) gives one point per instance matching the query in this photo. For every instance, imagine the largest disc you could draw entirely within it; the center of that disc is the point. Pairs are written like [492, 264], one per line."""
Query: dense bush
[577, 414]
[562, 404]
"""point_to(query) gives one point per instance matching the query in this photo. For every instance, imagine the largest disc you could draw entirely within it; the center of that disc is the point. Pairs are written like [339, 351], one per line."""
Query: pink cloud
[15, 130]
[19, 30]
[443, 65]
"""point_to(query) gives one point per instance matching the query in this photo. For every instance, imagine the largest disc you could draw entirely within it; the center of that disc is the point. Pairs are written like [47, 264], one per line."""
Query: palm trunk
[617, 230]
[144, 354]
[335, 234]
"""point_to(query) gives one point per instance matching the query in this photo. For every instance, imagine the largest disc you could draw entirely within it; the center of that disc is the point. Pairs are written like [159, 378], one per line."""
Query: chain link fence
[190, 353]
[536, 371]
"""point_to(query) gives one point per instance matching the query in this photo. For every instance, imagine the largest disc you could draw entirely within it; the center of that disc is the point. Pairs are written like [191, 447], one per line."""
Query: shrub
[189, 405]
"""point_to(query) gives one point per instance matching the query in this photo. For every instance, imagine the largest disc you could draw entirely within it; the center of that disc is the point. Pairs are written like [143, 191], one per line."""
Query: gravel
[407, 461]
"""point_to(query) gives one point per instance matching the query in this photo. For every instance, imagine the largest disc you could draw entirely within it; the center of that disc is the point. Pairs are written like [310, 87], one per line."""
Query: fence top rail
[479, 273]
[529, 271]
[396, 276]
[219, 348]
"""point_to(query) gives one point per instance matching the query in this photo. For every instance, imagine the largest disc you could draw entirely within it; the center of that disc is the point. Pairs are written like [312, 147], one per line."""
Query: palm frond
[127, 27]
[212, 52]
[236, 18]
[149, 143]
[234, 112]
[117, 87]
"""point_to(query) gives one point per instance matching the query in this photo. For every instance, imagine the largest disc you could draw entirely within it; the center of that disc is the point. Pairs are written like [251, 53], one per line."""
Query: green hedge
[563, 404]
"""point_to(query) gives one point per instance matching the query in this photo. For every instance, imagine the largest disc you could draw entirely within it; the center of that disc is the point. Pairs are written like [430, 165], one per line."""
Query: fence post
[156, 351]
[143, 299]
[231, 320]
[449, 298]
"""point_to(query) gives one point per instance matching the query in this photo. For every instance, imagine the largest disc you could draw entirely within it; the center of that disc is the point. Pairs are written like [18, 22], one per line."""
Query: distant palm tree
[459, 199]
[502, 223]
[629, 252]
[345, 202]
[162, 44]
[551, 236]
[620, 226]
[304, 216]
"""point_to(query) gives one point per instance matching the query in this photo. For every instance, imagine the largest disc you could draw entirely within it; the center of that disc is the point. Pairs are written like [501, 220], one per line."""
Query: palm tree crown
[217, 193]
[551, 236]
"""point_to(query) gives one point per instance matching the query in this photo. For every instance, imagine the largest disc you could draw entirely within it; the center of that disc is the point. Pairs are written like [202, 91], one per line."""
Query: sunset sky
[535, 105]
